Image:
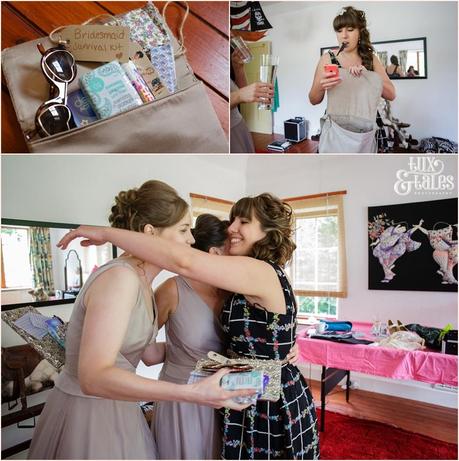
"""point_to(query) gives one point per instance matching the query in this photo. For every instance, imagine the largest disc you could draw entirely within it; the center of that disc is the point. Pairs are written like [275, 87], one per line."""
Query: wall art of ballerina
[391, 242]
[413, 246]
[445, 249]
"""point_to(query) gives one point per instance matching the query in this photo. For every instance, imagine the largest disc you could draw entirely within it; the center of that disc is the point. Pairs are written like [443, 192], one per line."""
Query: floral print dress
[286, 429]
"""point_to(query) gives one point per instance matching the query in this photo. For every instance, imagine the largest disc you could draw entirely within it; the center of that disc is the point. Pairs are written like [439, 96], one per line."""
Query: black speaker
[295, 129]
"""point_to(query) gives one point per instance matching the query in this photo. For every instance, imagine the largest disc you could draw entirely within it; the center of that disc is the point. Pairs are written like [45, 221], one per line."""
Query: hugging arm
[237, 274]
[109, 303]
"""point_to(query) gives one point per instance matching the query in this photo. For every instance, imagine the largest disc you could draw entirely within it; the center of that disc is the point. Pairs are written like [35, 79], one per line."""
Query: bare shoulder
[166, 295]
[168, 287]
[118, 280]
[118, 273]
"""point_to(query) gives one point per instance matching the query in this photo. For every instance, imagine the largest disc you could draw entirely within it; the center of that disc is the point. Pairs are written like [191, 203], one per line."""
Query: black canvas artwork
[413, 246]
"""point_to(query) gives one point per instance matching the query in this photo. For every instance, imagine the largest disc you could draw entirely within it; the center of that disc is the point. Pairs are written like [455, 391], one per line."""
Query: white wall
[369, 181]
[300, 29]
[81, 189]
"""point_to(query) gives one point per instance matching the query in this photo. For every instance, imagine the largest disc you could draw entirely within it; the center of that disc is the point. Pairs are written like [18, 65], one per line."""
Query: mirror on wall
[403, 59]
[34, 271]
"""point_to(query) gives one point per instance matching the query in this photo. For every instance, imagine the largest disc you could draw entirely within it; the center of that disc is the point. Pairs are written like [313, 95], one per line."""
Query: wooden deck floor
[206, 40]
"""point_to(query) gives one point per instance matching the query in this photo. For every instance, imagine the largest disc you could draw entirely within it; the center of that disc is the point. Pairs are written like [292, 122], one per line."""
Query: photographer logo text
[424, 176]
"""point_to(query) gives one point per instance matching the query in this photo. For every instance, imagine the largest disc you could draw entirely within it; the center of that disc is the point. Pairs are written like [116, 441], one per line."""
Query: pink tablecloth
[426, 366]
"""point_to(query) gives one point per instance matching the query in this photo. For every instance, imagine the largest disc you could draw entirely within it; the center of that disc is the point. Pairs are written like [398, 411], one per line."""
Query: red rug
[351, 438]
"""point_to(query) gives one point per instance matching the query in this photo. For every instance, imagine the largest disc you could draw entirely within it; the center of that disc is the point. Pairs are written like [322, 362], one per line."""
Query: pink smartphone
[332, 68]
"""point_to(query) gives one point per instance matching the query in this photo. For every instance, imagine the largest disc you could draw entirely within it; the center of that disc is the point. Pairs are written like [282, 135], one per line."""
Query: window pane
[15, 247]
[316, 256]
[320, 307]
[327, 232]
[327, 267]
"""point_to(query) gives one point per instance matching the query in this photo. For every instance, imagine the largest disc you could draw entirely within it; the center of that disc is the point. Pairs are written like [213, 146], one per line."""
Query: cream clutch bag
[270, 368]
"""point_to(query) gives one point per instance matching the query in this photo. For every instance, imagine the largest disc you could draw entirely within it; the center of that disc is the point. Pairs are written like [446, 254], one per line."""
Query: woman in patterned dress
[260, 318]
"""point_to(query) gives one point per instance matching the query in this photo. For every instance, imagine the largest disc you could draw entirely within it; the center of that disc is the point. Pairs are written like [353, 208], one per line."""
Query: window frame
[18, 288]
[201, 204]
[320, 205]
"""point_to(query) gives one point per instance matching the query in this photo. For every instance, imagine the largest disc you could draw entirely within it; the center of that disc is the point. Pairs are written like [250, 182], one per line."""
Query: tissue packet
[109, 90]
[248, 380]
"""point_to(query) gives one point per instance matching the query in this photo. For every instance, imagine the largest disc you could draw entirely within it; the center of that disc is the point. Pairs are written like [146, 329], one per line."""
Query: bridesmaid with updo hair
[93, 411]
[258, 319]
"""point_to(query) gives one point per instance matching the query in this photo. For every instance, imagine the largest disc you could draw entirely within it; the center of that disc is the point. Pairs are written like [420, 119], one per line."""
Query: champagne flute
[268, 70]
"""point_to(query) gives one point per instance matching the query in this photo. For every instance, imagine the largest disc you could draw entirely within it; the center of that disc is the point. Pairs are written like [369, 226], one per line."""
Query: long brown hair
[352, 17]
[276, 219]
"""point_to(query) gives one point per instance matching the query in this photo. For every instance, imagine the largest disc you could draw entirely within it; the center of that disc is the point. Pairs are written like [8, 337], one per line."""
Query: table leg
[329, 379]
[322, 399]
[348, 385]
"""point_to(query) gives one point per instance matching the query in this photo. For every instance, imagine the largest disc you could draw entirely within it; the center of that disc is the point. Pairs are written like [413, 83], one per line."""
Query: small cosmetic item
[249, 380]
[147, 71]
[109, 90]
[137, 81]
[81, 108]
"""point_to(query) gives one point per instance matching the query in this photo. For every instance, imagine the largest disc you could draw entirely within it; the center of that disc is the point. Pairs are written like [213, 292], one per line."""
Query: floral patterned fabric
[41, 259]
[286, 429]
[146, 26]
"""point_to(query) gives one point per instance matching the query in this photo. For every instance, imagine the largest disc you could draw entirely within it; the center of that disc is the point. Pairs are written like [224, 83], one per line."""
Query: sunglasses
[59, 67]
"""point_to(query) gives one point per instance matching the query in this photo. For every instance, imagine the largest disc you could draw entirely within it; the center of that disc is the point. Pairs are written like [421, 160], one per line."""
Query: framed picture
[413, 246]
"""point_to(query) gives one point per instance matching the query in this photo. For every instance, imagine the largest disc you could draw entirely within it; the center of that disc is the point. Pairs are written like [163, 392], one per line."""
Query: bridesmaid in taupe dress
[190, 311]
[92, 413]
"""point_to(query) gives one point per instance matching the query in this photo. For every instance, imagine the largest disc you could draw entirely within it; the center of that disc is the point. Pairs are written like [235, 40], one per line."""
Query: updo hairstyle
[154, 202]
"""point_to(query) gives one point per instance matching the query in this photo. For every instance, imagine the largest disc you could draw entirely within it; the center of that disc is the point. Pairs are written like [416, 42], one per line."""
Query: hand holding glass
[268, 70]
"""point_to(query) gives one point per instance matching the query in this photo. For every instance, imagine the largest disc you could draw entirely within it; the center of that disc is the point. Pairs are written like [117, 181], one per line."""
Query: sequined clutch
[270, 368]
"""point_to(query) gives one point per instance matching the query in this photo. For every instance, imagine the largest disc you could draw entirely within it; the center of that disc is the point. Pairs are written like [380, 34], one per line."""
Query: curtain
[403, 55]
[382, 55]
[318, 267]
[41, 259]
[201, 204]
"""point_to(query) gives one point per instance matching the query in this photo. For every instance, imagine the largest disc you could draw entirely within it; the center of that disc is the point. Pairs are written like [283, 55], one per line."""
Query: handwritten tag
[97, 42]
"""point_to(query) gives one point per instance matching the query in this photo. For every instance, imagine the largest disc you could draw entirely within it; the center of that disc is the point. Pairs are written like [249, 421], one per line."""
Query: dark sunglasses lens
[56, 119]
[60, 63]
